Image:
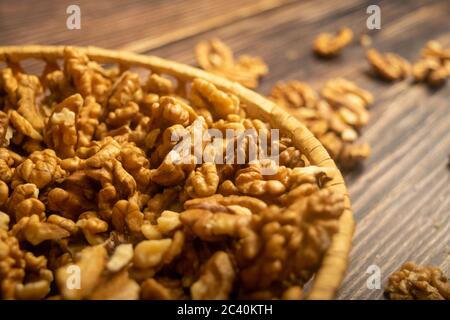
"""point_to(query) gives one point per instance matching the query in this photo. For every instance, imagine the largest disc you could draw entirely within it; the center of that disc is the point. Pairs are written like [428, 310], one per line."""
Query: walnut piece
[215, 56]
[389, 66]
[335, 121]
[414, 282]
[216, 279]
[90, 263]
[328, 45]
[434, 65]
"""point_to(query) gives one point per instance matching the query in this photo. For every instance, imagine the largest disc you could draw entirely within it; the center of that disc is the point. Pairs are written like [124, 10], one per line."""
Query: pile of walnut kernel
[85, 181]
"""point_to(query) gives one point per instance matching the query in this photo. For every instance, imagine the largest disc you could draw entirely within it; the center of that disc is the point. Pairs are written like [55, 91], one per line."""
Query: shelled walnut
[434, 65]
[215, 56]
[91, 185]
[335, 116]
[328, 45]
[389, 66]
[414, 282]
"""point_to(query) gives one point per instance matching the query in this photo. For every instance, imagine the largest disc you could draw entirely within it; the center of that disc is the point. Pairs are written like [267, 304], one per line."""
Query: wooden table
[401, 196]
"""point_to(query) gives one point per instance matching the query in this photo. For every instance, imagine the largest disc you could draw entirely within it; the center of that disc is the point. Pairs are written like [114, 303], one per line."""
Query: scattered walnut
[413, 282]
[216, 57]
[294, 94]
[329, 45]
[335, 123]
[127, 214]
[40, 168]
[35, 231]
[348, 100]
[389, 66]
[23, 126]
[434, 65]
[435, 49]
[159, 85]
[88, 77]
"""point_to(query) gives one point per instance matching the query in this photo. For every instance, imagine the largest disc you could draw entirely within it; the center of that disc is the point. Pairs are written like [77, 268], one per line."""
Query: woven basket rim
[334, 265]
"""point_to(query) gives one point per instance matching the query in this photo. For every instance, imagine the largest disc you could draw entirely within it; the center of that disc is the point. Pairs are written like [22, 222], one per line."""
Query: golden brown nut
[389, 66]
[294, 94]
[206, 94]
[349, 100]
[35, 231]
[122, 256]
[434, 65]
[202, 182]
[413, 282]
[216, 279]
[215, 56]
[159, 85]
[329, 45]
[89, 267]
[88, 77]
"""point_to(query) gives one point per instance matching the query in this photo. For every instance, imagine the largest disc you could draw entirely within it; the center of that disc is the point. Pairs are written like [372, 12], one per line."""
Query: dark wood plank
[134, 25]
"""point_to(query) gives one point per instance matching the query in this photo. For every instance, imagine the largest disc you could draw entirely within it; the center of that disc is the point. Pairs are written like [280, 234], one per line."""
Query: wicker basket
[331, 273]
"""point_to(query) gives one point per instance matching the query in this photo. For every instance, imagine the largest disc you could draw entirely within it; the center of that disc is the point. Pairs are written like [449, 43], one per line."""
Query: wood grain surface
[401, 195]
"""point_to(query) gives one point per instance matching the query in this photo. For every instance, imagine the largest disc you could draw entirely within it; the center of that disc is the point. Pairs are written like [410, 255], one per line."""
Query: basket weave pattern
[334, 264]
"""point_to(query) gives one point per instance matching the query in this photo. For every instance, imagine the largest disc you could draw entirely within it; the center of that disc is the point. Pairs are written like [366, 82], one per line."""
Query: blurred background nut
[215, 56]
[349, 100]
[414, 282]
[434, 65]
[329, 45]
[389, 66]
